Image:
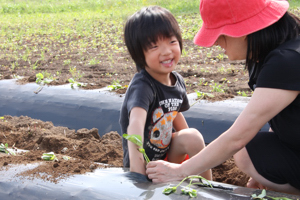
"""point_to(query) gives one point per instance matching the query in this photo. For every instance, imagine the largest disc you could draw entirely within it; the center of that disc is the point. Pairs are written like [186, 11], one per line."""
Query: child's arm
[136, 126]
[179, 122]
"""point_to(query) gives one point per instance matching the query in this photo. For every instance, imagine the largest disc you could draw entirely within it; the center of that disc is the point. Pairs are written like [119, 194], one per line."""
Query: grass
[103, 7]
[30, 28]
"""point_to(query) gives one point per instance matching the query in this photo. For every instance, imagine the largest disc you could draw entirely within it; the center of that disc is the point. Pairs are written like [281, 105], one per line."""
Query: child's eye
[174, 41]
[153, 47]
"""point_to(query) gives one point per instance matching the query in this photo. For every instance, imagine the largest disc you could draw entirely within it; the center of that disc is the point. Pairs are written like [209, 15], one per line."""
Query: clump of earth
[85, 149]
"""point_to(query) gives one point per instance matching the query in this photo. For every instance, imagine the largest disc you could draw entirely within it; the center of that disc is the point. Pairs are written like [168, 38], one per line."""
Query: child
[156, 95]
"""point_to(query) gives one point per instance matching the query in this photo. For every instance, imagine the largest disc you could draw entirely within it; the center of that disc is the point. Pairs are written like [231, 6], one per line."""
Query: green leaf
[263, 194]
[66, 157]
[184, 191]
[71, 80]
[260, 196]
[279, 198]
[189, 191]
[193, 193]
[136, 139]
[49, 156]
[169, 190]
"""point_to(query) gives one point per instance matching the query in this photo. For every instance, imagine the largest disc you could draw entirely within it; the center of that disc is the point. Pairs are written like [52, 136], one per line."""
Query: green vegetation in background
[294, 4]
[34, 32]
[104, 7]
[63, 18]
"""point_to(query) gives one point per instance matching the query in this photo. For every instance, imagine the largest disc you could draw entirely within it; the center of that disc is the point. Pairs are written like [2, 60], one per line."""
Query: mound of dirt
[85, 148]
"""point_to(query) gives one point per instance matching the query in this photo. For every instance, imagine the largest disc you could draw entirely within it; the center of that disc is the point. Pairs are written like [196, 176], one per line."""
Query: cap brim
[275, 10]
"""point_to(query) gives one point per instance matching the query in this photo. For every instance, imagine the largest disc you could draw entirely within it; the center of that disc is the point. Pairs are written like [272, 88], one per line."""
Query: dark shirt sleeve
[281, 70]
[185, 102]
[140, 94]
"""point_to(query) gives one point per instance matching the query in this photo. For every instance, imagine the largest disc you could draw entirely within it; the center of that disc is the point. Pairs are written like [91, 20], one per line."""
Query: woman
[267, 36]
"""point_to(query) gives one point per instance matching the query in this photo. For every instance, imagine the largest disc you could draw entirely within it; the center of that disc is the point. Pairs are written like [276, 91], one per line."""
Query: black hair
[146, 27]
[262, 42]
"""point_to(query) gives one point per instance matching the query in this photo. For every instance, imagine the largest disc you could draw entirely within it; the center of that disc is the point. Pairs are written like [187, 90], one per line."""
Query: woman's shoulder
[286, 53]
[293, 45]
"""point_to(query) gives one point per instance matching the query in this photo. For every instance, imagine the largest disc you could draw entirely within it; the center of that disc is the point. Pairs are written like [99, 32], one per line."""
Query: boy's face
[162, 57]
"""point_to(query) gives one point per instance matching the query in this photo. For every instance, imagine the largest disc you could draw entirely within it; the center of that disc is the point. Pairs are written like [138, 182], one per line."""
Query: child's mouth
[168, 63]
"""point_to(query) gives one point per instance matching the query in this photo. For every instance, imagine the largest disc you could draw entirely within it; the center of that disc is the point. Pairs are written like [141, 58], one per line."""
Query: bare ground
[86, 149]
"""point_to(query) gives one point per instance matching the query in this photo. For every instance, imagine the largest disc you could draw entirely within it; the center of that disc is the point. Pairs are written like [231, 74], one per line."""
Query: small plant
[41, 78]
[74, 82]
[242, 93]
[202, 95]
[4, 148]
[217, 88]
[67, 62]
[187, 190]
[264, 194]
[49, 156]
[137, 139]
[201, 81]
[75, 74]
[93, 61]
[220, 56]
[116, 85]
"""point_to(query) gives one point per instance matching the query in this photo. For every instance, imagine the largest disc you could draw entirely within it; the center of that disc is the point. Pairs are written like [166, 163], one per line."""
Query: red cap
[236, 18]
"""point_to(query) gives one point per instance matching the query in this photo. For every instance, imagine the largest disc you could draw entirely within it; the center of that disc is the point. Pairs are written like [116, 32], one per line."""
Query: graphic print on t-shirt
[161, 132]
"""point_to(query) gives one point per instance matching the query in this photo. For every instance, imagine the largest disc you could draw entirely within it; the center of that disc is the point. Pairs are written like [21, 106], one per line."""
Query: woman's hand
[163, 171]
[254, 184]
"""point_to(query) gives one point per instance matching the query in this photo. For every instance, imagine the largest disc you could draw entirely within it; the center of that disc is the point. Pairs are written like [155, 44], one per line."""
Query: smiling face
[235, 48]
[162, 56]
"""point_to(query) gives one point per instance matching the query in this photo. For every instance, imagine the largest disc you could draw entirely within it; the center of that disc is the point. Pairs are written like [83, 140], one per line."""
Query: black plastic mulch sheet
[77, 108]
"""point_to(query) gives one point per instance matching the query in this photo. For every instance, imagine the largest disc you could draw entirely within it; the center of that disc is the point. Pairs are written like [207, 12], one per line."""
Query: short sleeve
[185, 102]
[140, 94]
[281, 70]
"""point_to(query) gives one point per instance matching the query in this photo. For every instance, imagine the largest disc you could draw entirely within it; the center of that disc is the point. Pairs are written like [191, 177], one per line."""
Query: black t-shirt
[281, 70]
[162, 104]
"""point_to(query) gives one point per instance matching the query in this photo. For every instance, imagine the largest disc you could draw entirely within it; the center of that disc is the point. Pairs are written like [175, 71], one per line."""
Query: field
[80, 43]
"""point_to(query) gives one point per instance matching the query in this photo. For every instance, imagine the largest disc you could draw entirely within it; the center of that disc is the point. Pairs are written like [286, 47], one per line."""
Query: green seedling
[49, 156]
[116, 85]
[137, 139]
[242, 93]
[66, 157]
[202, 95]
[74, 82]
[187, 190]
[39, 78]
[4, 148]
[263, 196]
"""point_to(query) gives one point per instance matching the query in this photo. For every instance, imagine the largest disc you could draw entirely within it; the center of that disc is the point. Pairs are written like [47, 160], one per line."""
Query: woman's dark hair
[262, 42]
[147, 26]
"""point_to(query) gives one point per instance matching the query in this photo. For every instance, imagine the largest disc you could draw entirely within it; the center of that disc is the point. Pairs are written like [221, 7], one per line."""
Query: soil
[85, 148]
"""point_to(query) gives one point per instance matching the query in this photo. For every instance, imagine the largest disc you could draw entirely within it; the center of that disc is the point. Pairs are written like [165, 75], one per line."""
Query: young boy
[156, 95]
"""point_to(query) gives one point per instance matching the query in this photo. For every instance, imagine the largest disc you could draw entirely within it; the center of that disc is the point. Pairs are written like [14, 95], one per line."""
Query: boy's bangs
[154, 30]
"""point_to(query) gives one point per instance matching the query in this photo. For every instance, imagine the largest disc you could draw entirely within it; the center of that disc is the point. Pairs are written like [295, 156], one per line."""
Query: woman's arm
[264, 105]
[136, 126]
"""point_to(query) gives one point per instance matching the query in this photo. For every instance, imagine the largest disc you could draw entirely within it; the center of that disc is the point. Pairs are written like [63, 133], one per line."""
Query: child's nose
[166, 50]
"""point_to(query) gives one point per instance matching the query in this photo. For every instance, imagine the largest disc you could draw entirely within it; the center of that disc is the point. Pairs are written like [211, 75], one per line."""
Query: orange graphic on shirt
[161, 132]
